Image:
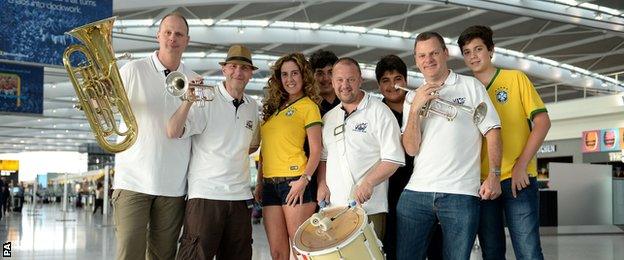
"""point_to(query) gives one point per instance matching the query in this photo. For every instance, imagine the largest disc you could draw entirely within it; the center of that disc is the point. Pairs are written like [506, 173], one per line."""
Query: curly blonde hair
[277, 95]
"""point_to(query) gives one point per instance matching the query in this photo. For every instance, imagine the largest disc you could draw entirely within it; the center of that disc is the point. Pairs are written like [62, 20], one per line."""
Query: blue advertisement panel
[609, 139]
[34, 30]
[21, 89]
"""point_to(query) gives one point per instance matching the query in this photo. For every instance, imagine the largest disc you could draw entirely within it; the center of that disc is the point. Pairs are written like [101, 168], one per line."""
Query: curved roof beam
[226, 32]
[565, 11]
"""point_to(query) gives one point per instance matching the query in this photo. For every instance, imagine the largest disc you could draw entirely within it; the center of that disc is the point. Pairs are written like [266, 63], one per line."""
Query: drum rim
[360, 230]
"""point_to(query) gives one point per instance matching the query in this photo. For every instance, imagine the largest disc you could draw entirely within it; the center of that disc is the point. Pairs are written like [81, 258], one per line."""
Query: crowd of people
[429, 185]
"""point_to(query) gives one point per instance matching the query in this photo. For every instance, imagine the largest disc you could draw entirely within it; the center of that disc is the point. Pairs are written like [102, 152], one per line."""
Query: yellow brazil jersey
[283, 135]
[516, 102]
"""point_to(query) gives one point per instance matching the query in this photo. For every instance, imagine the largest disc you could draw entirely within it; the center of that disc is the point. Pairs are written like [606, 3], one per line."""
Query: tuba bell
[99, 87]
[449, 110]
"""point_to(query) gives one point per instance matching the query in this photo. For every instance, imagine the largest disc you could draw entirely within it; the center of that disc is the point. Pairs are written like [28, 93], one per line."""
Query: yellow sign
[9, 165]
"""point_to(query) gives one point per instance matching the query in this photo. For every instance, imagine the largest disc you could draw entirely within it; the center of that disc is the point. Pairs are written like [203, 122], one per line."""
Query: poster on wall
[622, 139]
[21, 89]
[34, 30]
[590, 142]
[609, 139]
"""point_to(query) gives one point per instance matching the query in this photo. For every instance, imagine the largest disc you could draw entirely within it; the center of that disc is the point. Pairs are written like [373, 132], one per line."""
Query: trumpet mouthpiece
[397, 86]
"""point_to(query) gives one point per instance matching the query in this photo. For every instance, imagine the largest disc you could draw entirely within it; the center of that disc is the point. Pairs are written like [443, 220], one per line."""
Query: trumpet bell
[479, 113]
[176, 84]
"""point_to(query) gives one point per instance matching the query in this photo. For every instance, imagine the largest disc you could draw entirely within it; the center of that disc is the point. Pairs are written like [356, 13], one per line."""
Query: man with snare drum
[361, 147]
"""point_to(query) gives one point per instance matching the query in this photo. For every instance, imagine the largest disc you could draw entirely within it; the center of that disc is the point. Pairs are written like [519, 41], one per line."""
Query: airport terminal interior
[51, 164]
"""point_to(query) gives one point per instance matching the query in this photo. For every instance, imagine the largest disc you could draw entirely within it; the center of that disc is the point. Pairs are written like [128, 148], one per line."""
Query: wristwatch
[307, 177]
[496, 171]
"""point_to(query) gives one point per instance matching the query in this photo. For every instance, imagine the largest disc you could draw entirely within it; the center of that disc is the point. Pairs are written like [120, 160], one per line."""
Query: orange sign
[9, 165]
[622, 138]
[590, 142]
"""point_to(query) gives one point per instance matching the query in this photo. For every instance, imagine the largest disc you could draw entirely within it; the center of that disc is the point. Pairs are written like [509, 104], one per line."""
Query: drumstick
[351, 205]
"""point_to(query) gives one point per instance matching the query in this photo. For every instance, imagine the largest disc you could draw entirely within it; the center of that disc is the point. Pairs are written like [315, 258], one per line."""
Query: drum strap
[347, 175]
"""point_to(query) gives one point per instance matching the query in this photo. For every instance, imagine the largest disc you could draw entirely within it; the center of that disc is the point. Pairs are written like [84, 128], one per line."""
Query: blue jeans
[416, 217]
[522, 217]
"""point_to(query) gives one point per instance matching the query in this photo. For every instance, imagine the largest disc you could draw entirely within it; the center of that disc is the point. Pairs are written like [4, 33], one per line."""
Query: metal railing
[557, 92]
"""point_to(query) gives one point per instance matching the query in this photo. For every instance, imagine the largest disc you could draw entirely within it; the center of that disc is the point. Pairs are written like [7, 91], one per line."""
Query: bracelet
[496, 171]
[307, 177]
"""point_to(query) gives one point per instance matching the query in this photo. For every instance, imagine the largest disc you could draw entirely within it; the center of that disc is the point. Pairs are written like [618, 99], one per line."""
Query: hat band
[239, 58]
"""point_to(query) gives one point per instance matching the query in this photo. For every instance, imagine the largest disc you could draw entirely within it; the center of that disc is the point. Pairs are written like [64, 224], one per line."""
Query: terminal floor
[46, 233]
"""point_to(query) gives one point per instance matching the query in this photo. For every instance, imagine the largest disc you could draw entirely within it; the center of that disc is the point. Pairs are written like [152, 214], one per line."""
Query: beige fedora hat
[239, 54]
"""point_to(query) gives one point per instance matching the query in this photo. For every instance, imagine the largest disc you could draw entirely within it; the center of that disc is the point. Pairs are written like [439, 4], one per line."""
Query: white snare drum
[349, 236]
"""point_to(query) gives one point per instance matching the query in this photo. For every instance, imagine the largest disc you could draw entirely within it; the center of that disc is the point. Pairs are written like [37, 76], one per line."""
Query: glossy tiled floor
[43, 234]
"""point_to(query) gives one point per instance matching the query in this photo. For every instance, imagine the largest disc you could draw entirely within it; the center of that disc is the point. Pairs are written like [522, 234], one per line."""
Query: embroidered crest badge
[501, 95]
[290, 112]
[361, 127]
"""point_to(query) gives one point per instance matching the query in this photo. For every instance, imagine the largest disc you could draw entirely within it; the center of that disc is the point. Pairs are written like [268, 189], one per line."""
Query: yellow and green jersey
[283, 136]
[516, 102]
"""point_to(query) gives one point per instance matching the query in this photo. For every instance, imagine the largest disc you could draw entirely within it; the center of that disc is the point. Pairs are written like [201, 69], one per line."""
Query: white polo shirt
[221, 135]
[449, 156]
[155, 164]
[352, 145]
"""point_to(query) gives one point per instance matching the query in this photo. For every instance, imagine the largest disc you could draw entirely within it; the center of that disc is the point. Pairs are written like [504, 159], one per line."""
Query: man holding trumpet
[445, 182]
[223, 133]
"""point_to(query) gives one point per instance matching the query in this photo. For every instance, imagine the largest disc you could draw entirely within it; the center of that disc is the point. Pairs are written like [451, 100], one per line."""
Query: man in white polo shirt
[150, 178]
[223, 132]
[445, 183]
[361, 147]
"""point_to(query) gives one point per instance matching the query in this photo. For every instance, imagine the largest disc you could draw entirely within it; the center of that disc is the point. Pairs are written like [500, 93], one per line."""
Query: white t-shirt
[449, 156]
[155, 164]
[370, 134]
[221, 137]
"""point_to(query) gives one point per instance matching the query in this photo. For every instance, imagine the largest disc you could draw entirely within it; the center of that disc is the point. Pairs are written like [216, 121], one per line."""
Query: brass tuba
[99, 87]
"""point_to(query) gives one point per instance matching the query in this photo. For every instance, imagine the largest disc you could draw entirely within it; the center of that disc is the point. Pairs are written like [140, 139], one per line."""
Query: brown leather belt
[278, 180]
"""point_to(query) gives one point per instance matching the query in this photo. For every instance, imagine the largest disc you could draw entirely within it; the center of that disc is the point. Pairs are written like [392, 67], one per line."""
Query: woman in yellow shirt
[291, 116]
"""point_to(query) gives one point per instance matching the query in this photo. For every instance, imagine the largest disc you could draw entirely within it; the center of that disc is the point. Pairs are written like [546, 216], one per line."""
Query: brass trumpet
[178, 85]
[99, 87]
[448, 109]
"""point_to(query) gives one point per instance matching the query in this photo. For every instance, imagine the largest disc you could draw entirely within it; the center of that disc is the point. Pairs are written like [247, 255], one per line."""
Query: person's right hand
[424, 94]
[191, 90]
[258, 193]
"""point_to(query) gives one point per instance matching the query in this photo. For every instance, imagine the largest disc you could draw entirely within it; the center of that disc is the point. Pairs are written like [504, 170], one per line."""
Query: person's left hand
[363, 192]
[296, 192]
[490, 188]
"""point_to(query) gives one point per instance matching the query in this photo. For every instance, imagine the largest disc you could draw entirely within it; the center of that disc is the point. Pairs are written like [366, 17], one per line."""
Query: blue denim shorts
[275, 190]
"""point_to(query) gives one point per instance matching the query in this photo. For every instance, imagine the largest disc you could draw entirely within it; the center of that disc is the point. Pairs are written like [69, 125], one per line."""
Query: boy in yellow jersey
[524, 124]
